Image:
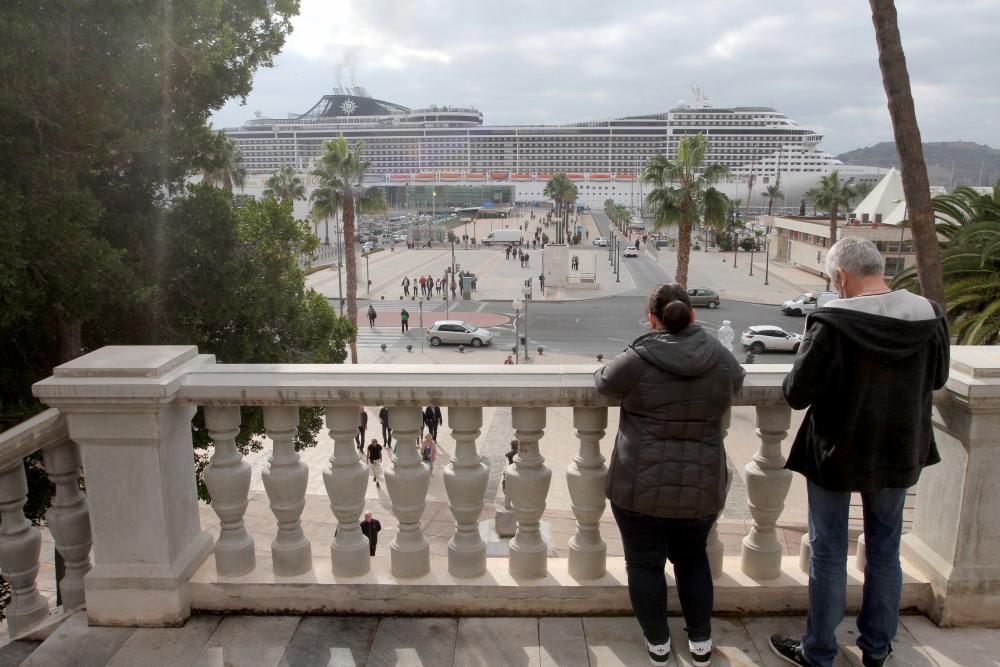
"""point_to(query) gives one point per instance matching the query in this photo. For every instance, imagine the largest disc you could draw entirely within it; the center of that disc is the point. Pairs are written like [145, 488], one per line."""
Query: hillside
[973, 164]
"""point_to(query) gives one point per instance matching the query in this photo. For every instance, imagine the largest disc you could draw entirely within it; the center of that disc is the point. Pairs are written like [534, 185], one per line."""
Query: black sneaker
[869, 661]
[701, 652]
[659, 654]
[789, 650]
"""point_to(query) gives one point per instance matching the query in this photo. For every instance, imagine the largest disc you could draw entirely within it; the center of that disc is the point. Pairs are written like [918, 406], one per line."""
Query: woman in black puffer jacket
[667, 477]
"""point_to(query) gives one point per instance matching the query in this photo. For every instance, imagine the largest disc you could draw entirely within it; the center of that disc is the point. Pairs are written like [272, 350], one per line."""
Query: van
[511, 236]
[807, 302]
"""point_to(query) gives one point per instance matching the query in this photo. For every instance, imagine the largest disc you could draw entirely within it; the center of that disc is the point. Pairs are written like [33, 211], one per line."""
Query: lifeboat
[624, 176]
[600, 177]
[575, 177]
[498, 175]
[450, 176]
[425, 177]
[520, 177]
[544, 176]
[399, 177]
[475, 176]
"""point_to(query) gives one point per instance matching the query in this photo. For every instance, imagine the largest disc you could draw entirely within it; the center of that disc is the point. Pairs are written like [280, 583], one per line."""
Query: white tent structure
[885, 202]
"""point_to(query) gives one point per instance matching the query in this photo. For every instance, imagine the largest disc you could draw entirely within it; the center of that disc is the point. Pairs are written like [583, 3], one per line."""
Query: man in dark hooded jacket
[866, 370]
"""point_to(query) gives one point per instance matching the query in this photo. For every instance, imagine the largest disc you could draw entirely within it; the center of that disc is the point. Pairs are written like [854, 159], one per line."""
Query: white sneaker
[701, 652]
[659, 654]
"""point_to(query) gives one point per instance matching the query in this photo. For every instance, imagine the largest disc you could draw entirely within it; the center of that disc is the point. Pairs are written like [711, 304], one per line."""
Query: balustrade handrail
[44, 430]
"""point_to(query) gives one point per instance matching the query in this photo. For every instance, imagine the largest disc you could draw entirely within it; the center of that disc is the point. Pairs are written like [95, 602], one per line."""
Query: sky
[555, 61]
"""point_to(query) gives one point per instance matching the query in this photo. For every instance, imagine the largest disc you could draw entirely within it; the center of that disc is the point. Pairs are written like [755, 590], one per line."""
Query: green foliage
[562, 191]
[969, 231]
[285, 185]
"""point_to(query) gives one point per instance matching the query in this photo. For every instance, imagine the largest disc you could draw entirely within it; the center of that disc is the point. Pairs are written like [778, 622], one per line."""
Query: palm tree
[563, 192]
[342, 170]
[683, 193]
[916, 188]
[773, 193]
[969, 229]
[832, 195]
[286, 186]
[223, 162]
[326, 203]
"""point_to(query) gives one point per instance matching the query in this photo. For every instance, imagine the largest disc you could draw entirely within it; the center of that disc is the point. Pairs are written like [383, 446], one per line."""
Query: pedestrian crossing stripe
[390, 336]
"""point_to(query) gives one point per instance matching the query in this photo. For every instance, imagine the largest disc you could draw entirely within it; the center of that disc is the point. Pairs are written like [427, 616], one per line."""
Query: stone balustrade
[129, 409]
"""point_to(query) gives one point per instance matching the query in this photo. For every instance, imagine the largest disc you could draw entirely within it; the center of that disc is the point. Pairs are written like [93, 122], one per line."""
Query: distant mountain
[949, 163]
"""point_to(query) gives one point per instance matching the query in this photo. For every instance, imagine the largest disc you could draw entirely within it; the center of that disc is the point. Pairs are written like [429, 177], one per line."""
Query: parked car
[767, 338]
[601, 241]
[807, 302]
[457, 332]
[703, 297]
[367, 246]
[631, 251]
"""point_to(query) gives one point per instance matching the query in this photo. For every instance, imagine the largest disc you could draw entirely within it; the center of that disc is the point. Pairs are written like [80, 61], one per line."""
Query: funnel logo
[348, 106]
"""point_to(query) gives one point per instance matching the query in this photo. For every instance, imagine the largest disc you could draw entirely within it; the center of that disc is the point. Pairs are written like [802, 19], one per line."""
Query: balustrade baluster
[585, 478]
[465, 479]
[528, 480]
[20, 546]
[346, 479]
[407, 483]
[767, 487]
[228, 480]
[715, 548]
[69, 520]
[285, 480]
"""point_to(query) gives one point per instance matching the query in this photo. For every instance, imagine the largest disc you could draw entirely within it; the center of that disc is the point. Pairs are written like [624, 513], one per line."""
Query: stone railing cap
[128, 361]
[978, 361]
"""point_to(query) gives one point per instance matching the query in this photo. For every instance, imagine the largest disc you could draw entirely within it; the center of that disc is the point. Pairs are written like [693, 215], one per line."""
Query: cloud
[554, 62]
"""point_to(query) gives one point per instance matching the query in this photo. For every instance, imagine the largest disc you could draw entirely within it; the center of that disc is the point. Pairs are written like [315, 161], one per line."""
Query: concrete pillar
[228, 480]
[20, 546]
[528, 481]
[715, 548]
[585, 478]
[767, 488]
[69, 520]
[465, 479]
[956, 526]
[135, 440]
[346, 480]
[407, 483]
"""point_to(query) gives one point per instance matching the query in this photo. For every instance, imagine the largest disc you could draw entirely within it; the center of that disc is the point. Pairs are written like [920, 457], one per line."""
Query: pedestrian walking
[667, 477]
[383, 418]
[428, 451]
[404, 321]
[423, 286]
[541, 282]
[371, 316]
[359, 439]
[866, 370]
[430, 421]
[454, 287]
[375, 461]
[406, 286]
[508, 252]
[509, 361]
[475, 281]
[371, 528]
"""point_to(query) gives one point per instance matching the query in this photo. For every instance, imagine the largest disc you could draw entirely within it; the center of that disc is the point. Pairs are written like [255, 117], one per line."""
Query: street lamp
[368, 273]
[434, 195]
[527, 298]
[517, 304]
[767, 254]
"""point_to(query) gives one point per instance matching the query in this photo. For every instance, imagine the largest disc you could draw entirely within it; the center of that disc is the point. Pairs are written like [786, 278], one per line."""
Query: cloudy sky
[555, 61]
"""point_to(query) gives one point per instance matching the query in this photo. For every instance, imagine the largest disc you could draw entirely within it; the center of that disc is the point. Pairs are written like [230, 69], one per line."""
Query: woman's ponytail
[676, 316]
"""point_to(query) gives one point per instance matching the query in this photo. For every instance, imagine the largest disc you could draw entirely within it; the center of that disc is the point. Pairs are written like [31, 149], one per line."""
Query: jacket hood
[690, 353]
[890, 337]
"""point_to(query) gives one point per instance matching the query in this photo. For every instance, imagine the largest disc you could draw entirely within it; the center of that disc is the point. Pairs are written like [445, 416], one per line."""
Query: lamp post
[453, 258]
[420, 305]
[434, 195]
[527, 298]
[767, 254]
[618, 261]
[517, 303]
[751, 253]
[368, 273]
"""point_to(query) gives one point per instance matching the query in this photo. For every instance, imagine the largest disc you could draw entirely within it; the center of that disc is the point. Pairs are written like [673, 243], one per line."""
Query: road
[607, 325]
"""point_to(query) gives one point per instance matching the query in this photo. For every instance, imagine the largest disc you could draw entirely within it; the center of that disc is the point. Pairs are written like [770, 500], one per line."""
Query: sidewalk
[715, 270]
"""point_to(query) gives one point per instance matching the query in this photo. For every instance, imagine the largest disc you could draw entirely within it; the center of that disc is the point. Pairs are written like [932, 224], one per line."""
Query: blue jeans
[883, 517]
[648, 542]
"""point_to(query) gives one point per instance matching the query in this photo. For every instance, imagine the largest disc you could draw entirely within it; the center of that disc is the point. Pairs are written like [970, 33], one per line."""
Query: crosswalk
[390, 336]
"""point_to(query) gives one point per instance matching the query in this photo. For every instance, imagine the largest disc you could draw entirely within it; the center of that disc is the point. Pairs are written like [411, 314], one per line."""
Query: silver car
[457, 332]
[703, 297]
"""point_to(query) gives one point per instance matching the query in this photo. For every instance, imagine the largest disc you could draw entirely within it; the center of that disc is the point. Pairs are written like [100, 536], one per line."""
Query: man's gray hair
[859, 257]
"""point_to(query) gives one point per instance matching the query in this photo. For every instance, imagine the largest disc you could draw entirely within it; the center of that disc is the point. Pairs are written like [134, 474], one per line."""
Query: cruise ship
[445, 156]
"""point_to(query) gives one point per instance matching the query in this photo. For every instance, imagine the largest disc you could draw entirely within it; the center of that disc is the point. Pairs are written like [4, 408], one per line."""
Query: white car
[601, 241]
[631, 251]
[367, 247]
[457, 332]
[767, 338]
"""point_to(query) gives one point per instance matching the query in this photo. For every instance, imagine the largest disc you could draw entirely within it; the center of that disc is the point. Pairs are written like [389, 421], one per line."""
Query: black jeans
[648, 542]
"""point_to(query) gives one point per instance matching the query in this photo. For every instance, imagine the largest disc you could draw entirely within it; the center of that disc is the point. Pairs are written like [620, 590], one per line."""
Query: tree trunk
[916, 188]
[70, 340]
[351, 264]
[683, 249]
